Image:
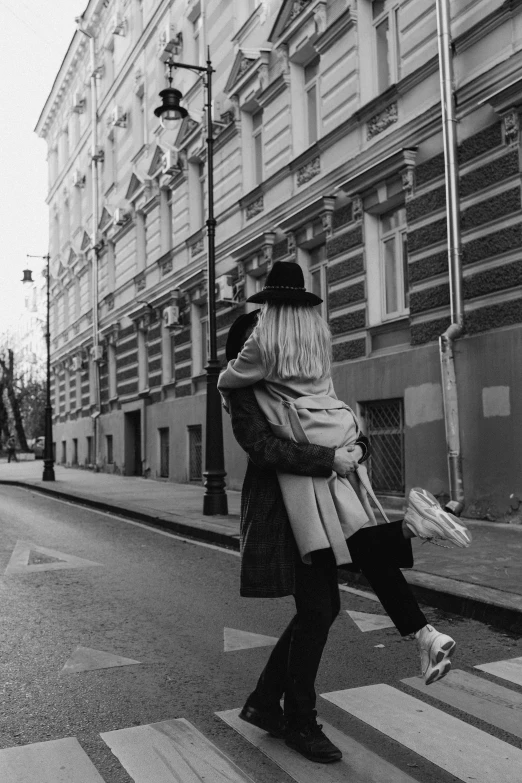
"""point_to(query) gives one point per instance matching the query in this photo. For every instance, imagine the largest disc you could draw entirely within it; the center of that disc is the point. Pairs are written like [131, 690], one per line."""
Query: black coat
[268, 548]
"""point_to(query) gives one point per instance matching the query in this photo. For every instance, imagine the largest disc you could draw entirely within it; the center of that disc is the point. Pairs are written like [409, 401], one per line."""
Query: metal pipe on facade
[446, 340]
[95, 249]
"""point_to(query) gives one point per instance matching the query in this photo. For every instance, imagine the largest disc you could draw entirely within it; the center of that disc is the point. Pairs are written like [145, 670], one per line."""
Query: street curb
[497, 613]
[506, 618]
[179, 528]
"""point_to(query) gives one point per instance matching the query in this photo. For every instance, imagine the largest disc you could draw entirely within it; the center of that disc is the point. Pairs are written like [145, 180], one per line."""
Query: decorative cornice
[370, 175]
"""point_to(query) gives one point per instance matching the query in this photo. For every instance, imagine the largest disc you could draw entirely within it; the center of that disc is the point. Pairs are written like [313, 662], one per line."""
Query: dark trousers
[380, 552]
[11, 455]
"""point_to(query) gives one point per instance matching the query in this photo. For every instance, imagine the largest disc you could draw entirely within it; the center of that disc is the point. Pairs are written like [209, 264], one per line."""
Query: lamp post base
[48, 472]
[215, 501]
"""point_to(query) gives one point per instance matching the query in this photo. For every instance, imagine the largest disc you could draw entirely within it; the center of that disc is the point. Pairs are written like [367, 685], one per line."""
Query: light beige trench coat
[323, 512]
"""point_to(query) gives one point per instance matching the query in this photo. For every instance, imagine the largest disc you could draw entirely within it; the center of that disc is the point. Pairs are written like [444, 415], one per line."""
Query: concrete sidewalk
[484, 581]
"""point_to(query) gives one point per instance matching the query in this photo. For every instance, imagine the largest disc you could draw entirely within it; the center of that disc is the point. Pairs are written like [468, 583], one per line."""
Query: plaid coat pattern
[268, 548]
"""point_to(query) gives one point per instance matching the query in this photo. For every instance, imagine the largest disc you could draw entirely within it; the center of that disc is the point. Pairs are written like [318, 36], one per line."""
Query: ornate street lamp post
[48, 471]
[170, 112]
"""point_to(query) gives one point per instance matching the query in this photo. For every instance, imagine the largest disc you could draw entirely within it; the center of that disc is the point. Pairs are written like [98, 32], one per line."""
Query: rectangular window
[318, 277]
[164, 451]
[75, 451]
[204, 343]
[110, 454]
[196, 37]
[384, 426]
[394, 263]
[201, 175]
[311, 73]
[257, 138]
[195, 452]
[64, 451]
[89, 450]
[140, 121]
[387, 43]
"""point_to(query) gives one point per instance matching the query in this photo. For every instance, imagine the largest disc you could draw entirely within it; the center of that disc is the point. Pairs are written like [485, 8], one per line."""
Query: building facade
[328, 152]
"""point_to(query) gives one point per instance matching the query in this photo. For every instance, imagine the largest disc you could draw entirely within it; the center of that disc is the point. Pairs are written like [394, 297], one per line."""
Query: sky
[34, 37]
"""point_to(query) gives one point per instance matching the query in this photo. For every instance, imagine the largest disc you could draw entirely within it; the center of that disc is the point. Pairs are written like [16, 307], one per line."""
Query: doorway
[133, 466]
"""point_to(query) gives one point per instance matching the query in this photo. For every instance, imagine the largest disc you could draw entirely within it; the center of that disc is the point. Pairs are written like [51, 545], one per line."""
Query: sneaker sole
[442, 663]
[446, 524]
[310, 757]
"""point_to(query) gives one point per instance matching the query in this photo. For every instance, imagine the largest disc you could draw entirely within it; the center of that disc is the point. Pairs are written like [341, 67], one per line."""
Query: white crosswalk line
[510, 669]
[56, 761]
[462, 750]
[172, 751]
[486, 700]
[358, 765]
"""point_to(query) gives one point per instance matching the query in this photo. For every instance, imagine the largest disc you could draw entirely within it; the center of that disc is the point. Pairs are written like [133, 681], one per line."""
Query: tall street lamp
[48, 471]
[170, 112]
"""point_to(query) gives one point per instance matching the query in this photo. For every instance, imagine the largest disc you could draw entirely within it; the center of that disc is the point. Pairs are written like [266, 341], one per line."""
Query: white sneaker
[435, 650]
[427, 519]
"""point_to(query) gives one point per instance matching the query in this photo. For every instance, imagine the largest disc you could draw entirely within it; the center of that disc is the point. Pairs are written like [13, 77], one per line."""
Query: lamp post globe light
[170, 112]
[48, 470]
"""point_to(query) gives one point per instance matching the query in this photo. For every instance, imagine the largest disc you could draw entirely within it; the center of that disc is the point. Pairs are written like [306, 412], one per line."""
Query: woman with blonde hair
[287, 363]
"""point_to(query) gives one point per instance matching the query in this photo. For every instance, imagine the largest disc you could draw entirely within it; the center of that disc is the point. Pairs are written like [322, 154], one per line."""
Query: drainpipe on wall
[94, 239]
[446, 340]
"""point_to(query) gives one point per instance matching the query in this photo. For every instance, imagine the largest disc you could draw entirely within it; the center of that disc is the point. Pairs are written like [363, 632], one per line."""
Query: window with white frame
[199, 327]
[387, 55]
[257, 146]
[140, 125]
[311, 85]
[204, 343]
[139, 17]
[318, 276]
[201, 193]
[197, 40]
[394, 263]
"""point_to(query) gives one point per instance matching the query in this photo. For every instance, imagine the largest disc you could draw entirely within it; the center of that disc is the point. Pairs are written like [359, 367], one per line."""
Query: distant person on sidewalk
[271, 563]
[11, 449]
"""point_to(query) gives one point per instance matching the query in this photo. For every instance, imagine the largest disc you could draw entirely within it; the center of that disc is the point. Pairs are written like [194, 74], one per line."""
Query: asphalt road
[165, 603]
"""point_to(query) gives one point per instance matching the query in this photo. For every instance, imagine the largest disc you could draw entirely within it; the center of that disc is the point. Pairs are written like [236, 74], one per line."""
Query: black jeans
[380, 552]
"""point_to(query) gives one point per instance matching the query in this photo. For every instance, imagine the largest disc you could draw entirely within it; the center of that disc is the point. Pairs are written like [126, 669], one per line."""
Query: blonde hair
[294, 340]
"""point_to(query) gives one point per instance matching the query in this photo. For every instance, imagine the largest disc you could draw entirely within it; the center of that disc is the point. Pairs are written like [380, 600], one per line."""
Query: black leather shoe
[310, 741]
[269, 720]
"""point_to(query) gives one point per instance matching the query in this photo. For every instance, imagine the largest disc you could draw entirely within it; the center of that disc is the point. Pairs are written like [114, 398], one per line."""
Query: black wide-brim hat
[285, 283]
[236, 333]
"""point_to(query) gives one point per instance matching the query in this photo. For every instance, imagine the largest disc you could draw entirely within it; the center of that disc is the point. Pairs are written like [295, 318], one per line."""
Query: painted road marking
[86, 659]
[370, 622]
[244, 640]
[511, 669]
[149, 528]
[462, 750]
[172, 751]
[362, 593]
[56, 761]
[486, 700]
[28, 558]
[358, 765]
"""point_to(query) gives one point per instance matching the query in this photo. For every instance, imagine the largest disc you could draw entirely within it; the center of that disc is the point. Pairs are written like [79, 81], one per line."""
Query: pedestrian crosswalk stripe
[85, 659]
[172, 751]
[234, 639]
[486, 700]
[358, 765]
[462, 750]
[511, 669]
[361, 593]
[370, 622]
[23, 560]
[56, 761]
